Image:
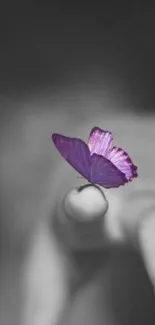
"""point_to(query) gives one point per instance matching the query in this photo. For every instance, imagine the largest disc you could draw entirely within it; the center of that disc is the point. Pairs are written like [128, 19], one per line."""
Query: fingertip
[85, 204]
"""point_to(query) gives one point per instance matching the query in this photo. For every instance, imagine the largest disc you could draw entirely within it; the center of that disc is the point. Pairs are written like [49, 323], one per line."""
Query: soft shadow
[108, 286]
[120, 293]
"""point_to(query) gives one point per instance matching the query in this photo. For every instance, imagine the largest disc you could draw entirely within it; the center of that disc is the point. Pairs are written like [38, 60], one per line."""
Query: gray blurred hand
[85, 226]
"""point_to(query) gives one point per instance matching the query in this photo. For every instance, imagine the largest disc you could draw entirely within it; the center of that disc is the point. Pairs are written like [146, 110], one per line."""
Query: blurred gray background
[58, 44]
[62, 63]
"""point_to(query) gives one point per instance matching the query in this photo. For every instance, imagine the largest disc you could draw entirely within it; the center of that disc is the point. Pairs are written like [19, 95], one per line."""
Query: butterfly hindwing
[75, 152]
[100, 143]
[104, 173]
[123, 162]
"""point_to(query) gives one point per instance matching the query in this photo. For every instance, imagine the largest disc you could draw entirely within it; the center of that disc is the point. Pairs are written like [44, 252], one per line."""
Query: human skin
[37, 271]
[114, 292]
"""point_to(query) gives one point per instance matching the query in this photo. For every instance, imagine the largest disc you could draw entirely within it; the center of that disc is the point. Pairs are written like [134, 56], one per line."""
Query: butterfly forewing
[99, 141]
[75, 152]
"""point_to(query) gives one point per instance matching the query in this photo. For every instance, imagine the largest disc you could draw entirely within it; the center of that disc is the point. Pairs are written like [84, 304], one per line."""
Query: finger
[80, 215]
[138, 204]
[146, 241]
[84, 216]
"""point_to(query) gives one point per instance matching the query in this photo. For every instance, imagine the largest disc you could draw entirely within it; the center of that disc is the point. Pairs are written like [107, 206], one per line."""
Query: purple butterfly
[98, 162]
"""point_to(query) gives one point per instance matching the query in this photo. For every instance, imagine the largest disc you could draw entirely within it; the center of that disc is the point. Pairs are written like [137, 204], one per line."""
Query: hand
[114, 231]
[86, 226]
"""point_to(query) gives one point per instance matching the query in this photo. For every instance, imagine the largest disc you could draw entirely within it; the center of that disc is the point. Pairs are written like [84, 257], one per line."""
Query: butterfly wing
[104, 173]
[99, 141]
[75, 152]
[123, 162]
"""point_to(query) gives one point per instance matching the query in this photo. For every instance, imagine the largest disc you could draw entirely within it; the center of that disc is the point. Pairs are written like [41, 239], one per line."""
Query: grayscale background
[61, 64]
